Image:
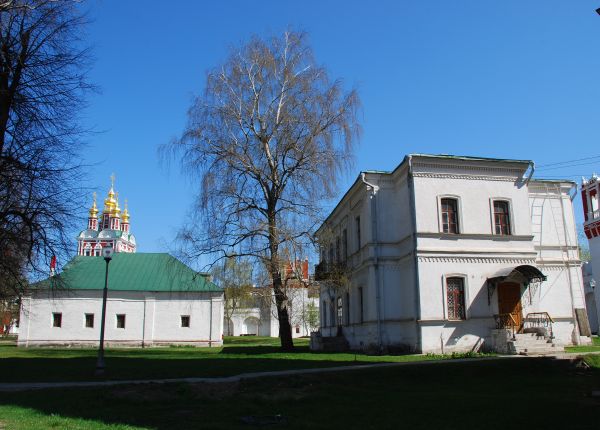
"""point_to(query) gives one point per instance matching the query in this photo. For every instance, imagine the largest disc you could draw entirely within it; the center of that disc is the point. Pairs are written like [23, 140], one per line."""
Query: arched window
[449, 215]
[455, 298]
[501, 217]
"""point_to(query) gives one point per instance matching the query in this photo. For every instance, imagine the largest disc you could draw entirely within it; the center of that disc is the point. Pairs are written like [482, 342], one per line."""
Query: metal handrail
[540, 319]
[502, 322]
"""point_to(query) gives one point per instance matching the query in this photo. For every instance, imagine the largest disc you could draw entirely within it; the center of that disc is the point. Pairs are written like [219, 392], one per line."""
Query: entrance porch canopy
[525, 274]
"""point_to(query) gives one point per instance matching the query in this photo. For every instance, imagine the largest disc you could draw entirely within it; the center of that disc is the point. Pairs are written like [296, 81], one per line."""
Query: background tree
[267, 141]
[43, 70]
[235, 278]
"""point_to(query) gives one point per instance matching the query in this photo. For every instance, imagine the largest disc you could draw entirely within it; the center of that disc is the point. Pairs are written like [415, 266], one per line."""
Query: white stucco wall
[151, 318]
[410, 311]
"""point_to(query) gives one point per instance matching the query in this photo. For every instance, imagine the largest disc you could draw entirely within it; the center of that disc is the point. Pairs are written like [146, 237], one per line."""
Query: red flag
[52, 265]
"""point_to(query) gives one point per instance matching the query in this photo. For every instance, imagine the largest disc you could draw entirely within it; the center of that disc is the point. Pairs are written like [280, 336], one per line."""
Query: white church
[450, 253]
[153, 298]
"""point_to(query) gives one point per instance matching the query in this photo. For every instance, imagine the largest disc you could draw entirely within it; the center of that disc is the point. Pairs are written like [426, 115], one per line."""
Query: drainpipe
[211, 322]
[569, 277]
[373, 193]
[532, 165]
[411, 185]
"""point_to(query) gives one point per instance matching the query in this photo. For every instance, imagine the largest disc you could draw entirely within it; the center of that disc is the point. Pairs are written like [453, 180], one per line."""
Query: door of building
[509, 301]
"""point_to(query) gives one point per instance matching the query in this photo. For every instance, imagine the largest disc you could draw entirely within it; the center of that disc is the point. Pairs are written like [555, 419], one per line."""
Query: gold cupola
[125, 216]
[94, 208]
[116, 212]
[110, 202]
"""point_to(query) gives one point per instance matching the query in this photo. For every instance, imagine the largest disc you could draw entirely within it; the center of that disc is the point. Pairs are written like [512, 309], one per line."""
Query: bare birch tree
[267, 141]
[43, 68]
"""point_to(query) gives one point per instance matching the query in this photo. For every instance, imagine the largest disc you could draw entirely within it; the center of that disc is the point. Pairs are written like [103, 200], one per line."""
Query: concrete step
[532, 344]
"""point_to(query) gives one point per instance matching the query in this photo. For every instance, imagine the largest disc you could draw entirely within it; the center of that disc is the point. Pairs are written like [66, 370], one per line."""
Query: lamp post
[107, 254]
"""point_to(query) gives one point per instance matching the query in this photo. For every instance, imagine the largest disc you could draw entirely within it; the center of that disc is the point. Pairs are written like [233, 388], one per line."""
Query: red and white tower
[110, 229]
[590, 196]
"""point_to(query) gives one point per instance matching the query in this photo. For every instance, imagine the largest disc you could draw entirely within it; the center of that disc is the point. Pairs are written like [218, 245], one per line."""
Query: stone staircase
[533, 344]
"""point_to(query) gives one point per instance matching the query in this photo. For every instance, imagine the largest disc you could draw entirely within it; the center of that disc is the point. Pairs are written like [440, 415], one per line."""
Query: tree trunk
[285, 329]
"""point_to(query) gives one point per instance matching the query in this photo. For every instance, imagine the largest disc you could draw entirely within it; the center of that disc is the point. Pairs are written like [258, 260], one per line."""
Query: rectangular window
[501, 218]
[358, 242]
[89, 320]
[455, 291]
[347, 310]
[120, 320]
[297, 329]
[361, 304]
[340, 311]
[345, 244]
[332, 313]
[185, 320]
[449, 216]
[56, 319]
[337, 250]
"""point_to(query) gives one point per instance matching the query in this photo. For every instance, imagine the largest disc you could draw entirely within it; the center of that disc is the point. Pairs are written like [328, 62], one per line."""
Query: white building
[257, 315]
[450, 254]
[153, 300]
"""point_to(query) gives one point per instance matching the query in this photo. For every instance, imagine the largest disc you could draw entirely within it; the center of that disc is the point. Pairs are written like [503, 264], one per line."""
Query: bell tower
[590, 196]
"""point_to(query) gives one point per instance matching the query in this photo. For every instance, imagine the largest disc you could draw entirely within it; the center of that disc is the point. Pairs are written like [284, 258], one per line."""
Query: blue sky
[510, 79]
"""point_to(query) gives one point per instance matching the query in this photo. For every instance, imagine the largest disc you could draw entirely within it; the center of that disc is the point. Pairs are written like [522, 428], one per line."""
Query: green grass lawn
[491, 394]
[239, 355]
[595, 347]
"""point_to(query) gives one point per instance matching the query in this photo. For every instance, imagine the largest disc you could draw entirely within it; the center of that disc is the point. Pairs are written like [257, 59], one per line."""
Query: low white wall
[151, 319]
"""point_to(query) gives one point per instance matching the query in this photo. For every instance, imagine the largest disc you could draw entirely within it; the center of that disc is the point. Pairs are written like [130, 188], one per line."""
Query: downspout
[570, 277]
[411, 185]
[144, 324]
[532, 165]
[373, 193]
[211, 322]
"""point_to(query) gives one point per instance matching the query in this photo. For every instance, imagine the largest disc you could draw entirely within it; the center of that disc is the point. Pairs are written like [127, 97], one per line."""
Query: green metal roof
[130, 272]
[471, 158]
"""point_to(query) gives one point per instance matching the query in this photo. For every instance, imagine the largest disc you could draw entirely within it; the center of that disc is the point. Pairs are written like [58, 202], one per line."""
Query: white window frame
[181, 321]
[85, 314]
[510, 214]
[124, 321]
[465, 279]
[52, 319]
[458, 209]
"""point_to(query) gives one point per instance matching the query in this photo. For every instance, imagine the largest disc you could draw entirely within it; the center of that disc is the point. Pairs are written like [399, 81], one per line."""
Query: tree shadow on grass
[375, 397]
[132, 368]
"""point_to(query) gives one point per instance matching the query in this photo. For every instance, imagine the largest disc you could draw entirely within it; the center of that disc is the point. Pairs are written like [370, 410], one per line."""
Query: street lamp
[107, 254]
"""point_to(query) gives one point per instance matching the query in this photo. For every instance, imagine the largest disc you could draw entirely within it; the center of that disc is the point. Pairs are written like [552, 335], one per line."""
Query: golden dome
[110, 203]
[116, 212]
[125, 216]
[94, 209]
